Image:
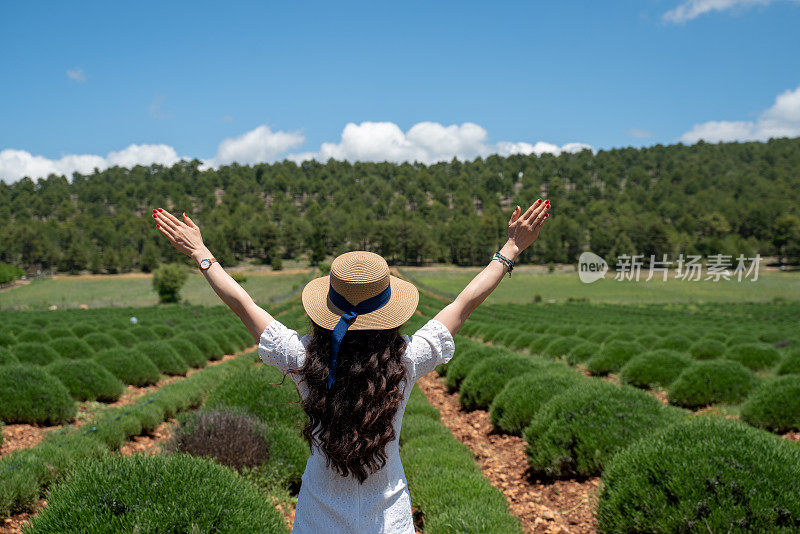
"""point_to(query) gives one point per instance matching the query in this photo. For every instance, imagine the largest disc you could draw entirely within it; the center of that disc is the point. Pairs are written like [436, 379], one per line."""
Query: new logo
[591, 267]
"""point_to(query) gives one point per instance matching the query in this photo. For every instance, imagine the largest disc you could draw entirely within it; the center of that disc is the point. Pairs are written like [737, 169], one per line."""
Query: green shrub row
[775, 405]
[658, 368]
[579, 430]
[703, 474]
[712, 381]
[30, 397]
[161, 493]
[523, 396]
[259, 392]
[25, 473]
[697, 367]
[444, 481]
[488, 376]
[28, 394]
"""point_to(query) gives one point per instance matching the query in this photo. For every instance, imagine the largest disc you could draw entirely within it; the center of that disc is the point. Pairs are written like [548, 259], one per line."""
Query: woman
[355, 371]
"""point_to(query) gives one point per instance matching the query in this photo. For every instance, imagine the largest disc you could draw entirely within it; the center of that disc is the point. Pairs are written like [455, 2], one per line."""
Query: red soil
[546, 506]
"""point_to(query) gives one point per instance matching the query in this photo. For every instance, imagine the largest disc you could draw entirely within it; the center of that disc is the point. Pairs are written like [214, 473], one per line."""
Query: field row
[664, 469]
[49, 361]
[231, 411]
[236, 414]
[747, 359]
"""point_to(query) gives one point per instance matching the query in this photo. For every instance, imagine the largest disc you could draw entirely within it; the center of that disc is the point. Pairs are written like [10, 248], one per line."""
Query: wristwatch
[206, 263]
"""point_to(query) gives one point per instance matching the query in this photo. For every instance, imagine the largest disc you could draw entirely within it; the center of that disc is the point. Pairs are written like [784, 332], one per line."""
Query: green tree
[149, 258]
[168, 279]
[787, 237]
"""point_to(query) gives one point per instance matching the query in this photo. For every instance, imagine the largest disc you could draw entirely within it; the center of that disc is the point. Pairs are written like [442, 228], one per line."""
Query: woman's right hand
[524, 229]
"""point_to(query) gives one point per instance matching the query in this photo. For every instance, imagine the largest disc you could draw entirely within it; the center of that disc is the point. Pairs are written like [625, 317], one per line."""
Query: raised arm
[185, 236]
[522, 232]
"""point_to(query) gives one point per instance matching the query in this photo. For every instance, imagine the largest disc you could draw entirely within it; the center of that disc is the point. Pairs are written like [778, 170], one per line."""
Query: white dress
[328, 502]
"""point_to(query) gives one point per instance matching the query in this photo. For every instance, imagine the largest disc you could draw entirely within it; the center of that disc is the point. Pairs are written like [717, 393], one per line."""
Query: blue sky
[93, 78]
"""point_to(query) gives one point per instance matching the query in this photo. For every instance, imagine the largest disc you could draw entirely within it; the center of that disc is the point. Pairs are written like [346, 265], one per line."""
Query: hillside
[706, 199]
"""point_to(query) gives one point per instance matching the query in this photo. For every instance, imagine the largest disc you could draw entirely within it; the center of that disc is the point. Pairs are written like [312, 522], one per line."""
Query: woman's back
[329, 502]
[359, 434]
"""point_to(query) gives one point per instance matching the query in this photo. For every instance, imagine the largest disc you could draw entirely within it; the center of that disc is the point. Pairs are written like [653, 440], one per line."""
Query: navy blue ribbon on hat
[350, 313]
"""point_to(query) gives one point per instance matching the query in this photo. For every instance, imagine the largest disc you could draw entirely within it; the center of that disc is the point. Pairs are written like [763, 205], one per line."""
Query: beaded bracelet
[504, 260]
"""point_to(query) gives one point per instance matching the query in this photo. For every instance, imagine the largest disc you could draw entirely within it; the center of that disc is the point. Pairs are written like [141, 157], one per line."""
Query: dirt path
[560, 506]
[14, 524]
[23, 436]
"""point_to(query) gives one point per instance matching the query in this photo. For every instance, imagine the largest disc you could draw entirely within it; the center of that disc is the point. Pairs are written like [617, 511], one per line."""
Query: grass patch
[712, 381]
[654, 369]
[139, 493]
[790, 364]
[523, 396]
[775, 405]
[755, 356]
[489, 376]
[129, 367]
[72, 347]
[87, 380]
[163, 356]
[28, 394]
[707, 349]
[582, 352]
[613, 356]
[706, 474]
[447, 485]
[35, 353]
[578, 431]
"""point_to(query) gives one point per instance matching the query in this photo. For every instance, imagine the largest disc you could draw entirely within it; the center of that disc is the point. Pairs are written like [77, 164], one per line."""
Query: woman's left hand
[184, 235]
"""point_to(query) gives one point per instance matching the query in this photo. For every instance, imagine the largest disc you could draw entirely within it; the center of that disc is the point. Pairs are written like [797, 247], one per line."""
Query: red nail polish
[158, 226]
[159, 209]
[154, 216]
[184, 214]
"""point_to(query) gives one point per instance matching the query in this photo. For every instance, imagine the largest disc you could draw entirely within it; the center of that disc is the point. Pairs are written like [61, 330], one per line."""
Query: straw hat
[358, 276]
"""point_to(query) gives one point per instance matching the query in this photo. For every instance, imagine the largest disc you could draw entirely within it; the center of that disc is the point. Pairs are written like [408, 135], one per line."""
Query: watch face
[205, 264]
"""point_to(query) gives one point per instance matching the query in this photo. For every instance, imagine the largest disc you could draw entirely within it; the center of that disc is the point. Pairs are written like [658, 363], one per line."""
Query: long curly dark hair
[353, 421]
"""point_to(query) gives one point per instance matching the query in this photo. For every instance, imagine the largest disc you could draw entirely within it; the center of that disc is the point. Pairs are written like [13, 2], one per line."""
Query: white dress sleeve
[282, 347]
[428, 347]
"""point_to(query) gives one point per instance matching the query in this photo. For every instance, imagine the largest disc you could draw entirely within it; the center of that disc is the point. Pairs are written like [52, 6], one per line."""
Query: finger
[189, 221]
[540, 208]
[530, 210]
[162, 218]
[539, 221]
[171, 218]
[164, 231]
[515, 215]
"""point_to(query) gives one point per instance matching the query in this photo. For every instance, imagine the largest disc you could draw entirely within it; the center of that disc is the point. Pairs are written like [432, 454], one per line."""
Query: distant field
[526, 283]
[67, 291]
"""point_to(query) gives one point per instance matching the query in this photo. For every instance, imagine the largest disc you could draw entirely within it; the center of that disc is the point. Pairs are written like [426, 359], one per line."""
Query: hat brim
[401, 306]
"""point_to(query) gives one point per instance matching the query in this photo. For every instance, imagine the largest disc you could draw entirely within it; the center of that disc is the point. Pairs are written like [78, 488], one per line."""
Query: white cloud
[691, 9]
[425, 142]
[76, 75]
[782, 119]
[260, 145]
[16, 164]
[640, 134]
